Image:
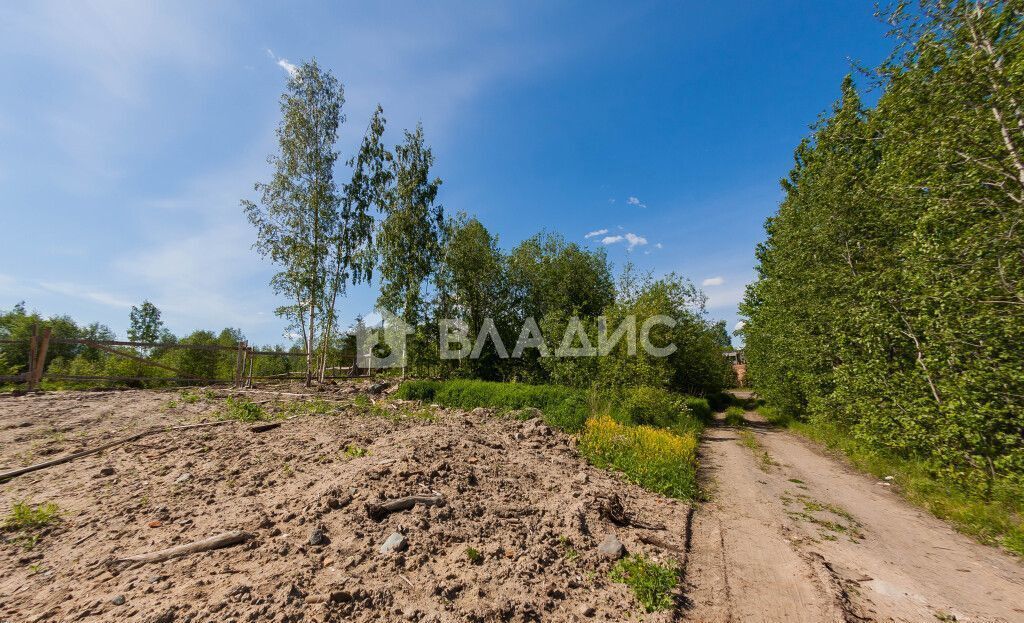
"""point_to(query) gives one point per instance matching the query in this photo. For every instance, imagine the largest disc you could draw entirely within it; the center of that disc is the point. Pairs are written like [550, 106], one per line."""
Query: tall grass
[656, 459]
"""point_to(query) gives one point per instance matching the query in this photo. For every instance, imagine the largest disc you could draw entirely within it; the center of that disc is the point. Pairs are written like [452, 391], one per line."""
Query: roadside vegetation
[648, 434]
[889, 311]
[997, 520]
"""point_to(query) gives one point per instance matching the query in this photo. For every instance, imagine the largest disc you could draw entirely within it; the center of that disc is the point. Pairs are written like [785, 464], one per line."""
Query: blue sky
[130, 131]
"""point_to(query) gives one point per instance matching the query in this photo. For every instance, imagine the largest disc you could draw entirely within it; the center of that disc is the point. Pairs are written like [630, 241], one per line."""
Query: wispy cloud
[87, 293]
[611, 239]
[712, 281]
[283, 63]
[633, 201]
[596, 232]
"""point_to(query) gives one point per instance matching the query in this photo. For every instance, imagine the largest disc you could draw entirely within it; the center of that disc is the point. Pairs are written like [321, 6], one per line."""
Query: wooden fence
[40, 342]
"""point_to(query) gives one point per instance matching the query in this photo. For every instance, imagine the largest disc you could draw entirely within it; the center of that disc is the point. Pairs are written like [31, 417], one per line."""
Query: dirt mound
[515, 538]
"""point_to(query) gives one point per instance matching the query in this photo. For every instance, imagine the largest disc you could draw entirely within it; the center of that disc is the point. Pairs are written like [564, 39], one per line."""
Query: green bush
[650, 406]
[699, 408]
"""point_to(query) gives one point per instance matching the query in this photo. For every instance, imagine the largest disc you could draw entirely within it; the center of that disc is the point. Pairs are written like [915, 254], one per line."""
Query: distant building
[739, 365]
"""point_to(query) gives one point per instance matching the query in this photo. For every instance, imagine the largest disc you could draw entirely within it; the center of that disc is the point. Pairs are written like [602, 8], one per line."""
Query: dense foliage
[890, 297]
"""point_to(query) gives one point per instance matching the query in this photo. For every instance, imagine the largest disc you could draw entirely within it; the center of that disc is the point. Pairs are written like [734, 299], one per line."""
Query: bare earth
[788, 533]
[798, 536]
[517, 492]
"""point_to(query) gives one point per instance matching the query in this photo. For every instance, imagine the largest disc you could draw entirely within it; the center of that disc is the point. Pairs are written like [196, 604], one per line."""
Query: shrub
[650, 406]
[652, 584]
[655, 459]
[699, 408]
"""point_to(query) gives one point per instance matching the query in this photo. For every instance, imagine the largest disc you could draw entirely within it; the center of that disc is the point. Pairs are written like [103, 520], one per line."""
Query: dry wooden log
[215, 542]
[379, 510]
[4, 476]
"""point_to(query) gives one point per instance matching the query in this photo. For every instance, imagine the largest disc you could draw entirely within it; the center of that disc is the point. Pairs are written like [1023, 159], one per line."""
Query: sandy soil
[517, 492]
[796, 535]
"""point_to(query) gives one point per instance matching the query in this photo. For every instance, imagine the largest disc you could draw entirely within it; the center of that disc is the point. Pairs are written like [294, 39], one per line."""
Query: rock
[185, 477]
[611, 547]
[394, 543]
[340, 597]
[167, 616]
[377, 388]
[587, 610]
[107, 471]
[318, 536]
[118, 601]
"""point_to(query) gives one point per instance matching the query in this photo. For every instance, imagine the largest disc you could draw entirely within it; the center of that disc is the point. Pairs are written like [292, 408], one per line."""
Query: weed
[25, 517]
[243, 410]
[569, 552]
[474, 556]
[749, 440]
[652, 584]
[656, 459]
[362, 401]
[171, 404]
[354, 451]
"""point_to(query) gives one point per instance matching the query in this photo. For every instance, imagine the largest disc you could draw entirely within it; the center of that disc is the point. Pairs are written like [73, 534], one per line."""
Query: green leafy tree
[409, 241]
[298, 222]
[144, 323]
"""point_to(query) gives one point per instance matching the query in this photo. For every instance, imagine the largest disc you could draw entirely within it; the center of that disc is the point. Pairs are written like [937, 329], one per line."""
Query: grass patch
[652, 584]
[734, 416]
[243, 410]
[474, 556]
[655, 459]
[25, 517]
[563, 407]
[995, 521]
[749, 440]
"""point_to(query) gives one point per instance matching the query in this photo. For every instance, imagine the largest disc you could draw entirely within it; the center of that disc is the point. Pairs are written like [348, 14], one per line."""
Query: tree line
[385, 221]
[145, 325]
[890, 291]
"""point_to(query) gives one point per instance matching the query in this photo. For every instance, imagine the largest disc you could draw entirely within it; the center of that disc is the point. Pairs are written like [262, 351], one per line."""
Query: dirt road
[791, 534]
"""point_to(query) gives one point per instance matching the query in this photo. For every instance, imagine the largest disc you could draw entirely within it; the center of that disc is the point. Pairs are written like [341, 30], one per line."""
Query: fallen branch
[215, 542]
[259, 428]
[378, 511]
[4, 476]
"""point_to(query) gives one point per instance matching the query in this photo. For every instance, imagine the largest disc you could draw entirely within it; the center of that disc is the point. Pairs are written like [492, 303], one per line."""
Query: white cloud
[658, 246]
[739, 325]
[635, 241]
[633, 201]
[632, 240]
[596, 232]
[712, 281]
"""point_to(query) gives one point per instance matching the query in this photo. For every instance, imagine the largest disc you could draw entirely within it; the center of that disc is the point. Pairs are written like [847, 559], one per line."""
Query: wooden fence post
[252, 357]
[239, 363]
[32, 347]
[40, 366]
